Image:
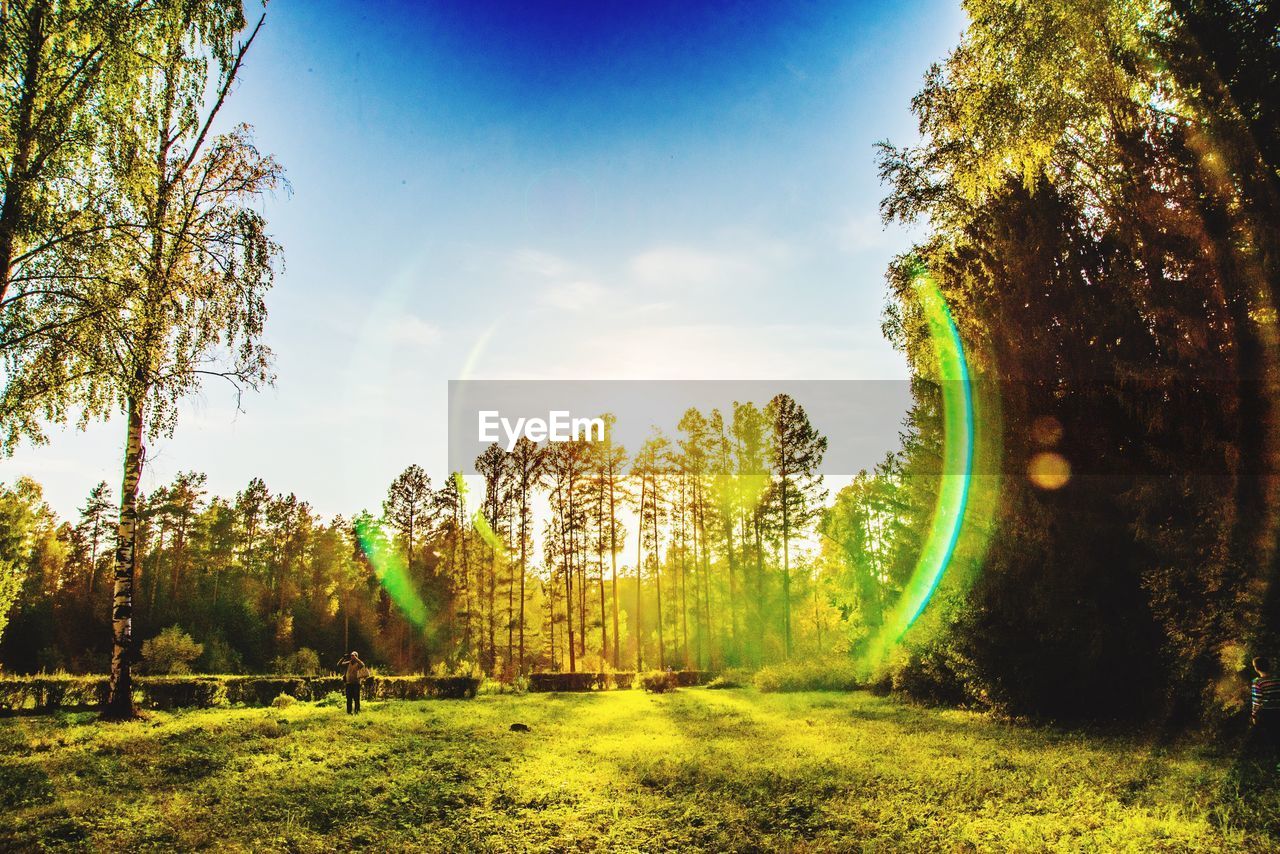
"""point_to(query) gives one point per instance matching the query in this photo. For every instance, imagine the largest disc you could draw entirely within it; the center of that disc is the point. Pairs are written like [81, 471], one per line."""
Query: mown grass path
[622, 770]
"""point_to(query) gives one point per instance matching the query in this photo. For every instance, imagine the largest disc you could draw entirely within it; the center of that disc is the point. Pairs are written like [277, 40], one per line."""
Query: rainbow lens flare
[952, 374]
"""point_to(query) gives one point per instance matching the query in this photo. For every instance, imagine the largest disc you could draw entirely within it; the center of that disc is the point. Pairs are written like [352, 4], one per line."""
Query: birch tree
[191, 261]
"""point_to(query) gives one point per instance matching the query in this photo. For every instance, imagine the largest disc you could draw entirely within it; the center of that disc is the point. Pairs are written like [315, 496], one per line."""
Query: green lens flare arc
[393, 574]
[958, 445]
[955, 479]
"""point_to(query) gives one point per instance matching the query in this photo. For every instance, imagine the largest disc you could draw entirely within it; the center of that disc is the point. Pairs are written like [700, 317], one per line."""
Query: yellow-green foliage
[283, 701]
[616, 770]
[172, 651]
[834, 675]
[658, 681]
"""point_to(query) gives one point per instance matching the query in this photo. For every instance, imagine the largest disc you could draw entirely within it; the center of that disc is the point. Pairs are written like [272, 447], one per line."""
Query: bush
[517, 685]
[304, 662]
[926, 675]
[659, 681]
[734, 677]
[283, 701]
[334, 699]
[172, 651]
[220, 657]
[831, 675]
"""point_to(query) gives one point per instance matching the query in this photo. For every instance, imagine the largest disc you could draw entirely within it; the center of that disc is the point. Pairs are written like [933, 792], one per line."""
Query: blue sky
[568, 190]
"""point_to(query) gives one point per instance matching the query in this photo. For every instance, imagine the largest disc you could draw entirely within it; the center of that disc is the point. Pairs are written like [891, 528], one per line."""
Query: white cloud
[576, 295]
[683, 266]
[538, 263]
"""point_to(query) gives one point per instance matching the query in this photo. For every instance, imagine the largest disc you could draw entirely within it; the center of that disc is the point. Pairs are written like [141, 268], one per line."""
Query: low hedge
[543, 682]
[659, 681]
[83, 693]
[608, 681]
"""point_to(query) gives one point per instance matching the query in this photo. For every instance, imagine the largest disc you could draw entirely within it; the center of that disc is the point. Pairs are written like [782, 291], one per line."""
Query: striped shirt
[1265, 692]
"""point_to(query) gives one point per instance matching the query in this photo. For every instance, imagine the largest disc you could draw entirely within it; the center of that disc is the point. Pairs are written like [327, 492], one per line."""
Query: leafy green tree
[1081, 161]
[193, 260]
[22, 515]
[70, 74]
[170, 652]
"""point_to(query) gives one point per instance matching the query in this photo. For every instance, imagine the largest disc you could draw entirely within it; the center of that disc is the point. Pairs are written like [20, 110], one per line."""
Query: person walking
[352, 677]
[1264, 706]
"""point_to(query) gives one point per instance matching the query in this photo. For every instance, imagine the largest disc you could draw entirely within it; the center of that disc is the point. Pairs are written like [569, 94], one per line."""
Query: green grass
[620, 770]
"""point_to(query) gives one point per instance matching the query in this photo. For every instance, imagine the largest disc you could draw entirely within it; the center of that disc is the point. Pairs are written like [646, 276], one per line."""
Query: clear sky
[576, 190]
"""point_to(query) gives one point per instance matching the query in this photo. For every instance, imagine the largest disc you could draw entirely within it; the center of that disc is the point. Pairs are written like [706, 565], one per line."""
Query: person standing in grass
[1265, 702]
[352, 677]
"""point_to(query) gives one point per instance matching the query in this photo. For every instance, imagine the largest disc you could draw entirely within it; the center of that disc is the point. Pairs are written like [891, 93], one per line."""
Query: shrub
[171, 651]
[734, 677]
[283, 701]
[659, 681]
[515, 685]
[926, 675]
[831, 675]
[220, 657]
[304, 662]
[332, 699]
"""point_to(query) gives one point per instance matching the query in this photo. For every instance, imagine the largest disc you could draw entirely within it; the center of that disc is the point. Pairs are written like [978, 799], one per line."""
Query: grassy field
[724, 770]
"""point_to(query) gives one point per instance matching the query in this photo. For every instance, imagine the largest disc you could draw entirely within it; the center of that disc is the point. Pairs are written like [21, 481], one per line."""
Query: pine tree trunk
[786, 575]
[120, 698]
[684, 577]
[524, 514]
[657, 574]
[639, 600]
[613, 557]
[568, 599]
[604, 628]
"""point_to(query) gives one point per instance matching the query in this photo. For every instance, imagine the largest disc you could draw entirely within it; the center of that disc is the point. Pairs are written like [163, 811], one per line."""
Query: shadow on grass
[1250, 793]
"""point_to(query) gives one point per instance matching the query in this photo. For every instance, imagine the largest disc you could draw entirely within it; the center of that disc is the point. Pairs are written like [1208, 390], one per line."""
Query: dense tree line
[717, 512]
[1099, 181]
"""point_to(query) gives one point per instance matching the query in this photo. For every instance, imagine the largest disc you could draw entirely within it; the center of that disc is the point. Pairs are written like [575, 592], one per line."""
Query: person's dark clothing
[353, 698]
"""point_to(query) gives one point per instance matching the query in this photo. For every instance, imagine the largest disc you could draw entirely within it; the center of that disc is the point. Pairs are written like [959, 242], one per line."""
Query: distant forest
[441, 580]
